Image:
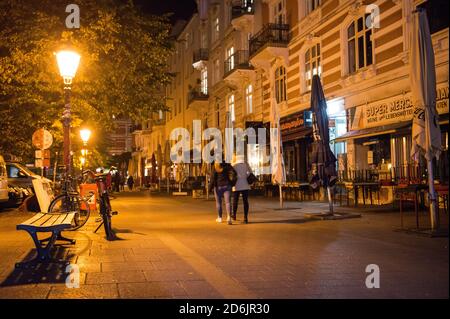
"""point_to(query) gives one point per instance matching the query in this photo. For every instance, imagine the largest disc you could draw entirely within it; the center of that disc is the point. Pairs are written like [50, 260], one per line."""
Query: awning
[372, 131]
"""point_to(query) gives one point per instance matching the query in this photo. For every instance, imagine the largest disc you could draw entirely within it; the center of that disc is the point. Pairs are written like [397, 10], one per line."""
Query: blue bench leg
[59, 238]
[43, 252]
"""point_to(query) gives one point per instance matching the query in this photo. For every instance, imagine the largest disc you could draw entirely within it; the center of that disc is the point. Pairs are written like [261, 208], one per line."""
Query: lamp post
[68, 62]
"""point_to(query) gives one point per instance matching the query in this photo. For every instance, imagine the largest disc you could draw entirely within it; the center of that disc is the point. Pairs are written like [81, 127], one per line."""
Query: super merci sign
[399, 108]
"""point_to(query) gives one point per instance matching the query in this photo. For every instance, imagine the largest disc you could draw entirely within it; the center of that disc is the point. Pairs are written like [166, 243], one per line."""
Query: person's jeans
[236, 202]
[219, 192]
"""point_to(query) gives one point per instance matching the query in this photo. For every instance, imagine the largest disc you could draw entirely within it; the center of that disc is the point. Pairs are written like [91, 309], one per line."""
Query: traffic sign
[42, 139]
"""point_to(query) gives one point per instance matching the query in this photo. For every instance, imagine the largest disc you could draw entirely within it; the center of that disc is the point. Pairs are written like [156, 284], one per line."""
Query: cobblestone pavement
[172, 247]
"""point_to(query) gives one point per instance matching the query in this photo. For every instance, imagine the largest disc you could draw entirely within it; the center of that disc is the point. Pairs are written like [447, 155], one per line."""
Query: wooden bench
[46, 223]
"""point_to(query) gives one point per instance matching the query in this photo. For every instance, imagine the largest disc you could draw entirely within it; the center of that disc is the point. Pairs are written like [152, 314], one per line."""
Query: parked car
[20, 181]
[4, 191]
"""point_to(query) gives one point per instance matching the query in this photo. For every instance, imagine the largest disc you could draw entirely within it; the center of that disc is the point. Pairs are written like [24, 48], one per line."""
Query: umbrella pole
[330, 200]
[207, 186]
[281, 195]
[433, 204]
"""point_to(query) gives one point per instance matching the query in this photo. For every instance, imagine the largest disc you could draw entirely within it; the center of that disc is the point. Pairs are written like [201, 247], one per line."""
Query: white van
[4, 197]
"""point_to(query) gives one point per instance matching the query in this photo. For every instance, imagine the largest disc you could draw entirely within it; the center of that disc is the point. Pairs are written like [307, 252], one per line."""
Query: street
[171, 247]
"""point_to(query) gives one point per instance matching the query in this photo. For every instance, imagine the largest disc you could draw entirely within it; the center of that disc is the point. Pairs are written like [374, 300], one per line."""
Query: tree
[121, 73]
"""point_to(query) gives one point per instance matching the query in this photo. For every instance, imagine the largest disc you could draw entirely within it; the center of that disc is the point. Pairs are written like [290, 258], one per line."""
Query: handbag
[232, 176]
[251, 179]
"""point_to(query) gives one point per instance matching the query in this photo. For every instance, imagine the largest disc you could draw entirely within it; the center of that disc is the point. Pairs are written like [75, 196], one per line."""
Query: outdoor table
[404, 190]
[364, 186]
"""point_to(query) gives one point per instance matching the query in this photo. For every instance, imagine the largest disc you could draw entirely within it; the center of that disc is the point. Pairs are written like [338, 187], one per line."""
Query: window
[204, 81]
[204, 40]
[216, 28]
[312, 64]
[280, 84]
[249, 98]
[216, 71]
[231, 107]
[218, 114]
[360, 48]
[279, 12]
[230, 58]
[188, 41]
[312, 5]
[437, 14]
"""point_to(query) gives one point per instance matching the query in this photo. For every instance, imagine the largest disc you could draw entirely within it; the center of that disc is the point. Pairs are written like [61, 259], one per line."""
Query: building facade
[237, 57]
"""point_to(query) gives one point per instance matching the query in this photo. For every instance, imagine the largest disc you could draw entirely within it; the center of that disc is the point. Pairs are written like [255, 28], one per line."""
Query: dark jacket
[221, 178]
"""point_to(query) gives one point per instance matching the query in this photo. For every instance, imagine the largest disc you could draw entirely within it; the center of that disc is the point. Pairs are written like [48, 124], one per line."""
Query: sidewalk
[171, 247]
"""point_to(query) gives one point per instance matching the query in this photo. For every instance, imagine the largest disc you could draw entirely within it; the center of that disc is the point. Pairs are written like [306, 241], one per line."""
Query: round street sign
[42, 139]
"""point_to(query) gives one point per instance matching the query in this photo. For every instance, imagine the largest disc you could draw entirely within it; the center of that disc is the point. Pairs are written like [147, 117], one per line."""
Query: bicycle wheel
[66, 203]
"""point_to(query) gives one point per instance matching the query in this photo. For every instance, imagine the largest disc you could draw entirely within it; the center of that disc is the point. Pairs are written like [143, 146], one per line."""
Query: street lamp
[85, 134]
[68, 62]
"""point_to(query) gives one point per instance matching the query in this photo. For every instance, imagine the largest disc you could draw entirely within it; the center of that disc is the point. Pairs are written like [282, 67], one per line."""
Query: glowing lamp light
[85, 134]
[68, 62]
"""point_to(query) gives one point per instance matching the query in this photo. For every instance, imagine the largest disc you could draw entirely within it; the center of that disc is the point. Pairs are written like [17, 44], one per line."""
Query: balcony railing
[197, 95]
[239, 60]
[239, 9]
[200, 55]
[272, 34]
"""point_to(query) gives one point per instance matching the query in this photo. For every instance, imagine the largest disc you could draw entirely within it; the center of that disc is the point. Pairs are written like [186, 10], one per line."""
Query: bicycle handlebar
[94, 175]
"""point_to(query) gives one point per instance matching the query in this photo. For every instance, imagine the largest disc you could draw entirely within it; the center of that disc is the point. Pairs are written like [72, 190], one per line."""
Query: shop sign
[399, 109]
[294, 122]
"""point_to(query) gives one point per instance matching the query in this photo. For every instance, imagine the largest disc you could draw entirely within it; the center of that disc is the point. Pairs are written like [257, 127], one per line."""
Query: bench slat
[44, 220]
[34, 219]
[61, 219]
[51, 222]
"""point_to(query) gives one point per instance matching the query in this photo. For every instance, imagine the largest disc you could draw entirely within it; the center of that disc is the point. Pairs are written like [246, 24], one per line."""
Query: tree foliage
[121, 73]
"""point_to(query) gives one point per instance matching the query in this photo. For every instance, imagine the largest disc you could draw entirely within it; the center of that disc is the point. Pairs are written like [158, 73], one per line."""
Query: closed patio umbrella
[159, 160]
[426, 134]
[322, 156]
[167, 163]
[277, 164]
[228, 137]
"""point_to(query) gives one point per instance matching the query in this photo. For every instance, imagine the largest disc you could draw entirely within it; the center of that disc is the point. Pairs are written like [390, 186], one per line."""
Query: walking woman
[223, 178]
[242, 186]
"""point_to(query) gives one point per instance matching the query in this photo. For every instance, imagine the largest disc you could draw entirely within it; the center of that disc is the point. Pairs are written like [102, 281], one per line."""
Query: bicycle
[104, 202]
[69, 200]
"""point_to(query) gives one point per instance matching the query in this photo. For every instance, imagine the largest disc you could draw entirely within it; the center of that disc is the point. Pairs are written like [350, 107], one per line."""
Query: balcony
[200, 58]
[271, 35]
[242, 15]
[197, 100]
[237, 67]
[269, 43]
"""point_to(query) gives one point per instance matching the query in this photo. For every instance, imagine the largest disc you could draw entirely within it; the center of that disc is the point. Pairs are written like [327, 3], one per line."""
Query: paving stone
[103, 291]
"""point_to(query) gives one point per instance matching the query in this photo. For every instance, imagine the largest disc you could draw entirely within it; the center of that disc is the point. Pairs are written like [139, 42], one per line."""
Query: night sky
[182, 9]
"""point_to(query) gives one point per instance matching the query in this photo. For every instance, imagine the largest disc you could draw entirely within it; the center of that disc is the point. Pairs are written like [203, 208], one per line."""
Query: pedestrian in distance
[130, 182]
[242, 186]
[122, 182]
[223, 178]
